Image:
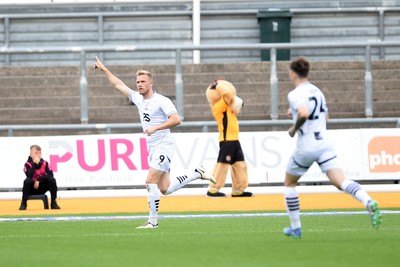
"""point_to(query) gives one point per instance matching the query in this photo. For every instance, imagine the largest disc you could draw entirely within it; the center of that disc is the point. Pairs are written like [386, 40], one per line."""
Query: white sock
[353, 188]
[180, 181]
[293, 206]
[153, 197]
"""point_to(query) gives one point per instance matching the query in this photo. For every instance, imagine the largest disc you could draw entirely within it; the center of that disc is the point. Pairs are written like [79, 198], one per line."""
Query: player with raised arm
[310, 113]
[157, 115]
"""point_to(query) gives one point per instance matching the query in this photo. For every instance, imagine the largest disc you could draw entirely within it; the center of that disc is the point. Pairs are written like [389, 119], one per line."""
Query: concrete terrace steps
[38, 71]
[51, 95]
[265, 107]
[61, 115]
[36, 81]
[64, 101]
[331, 96]
[169, 90]
[190, 78]
[38, 91]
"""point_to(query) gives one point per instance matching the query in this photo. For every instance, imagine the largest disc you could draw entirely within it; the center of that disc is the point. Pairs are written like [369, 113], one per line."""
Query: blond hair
[144, 72]
[36, 147]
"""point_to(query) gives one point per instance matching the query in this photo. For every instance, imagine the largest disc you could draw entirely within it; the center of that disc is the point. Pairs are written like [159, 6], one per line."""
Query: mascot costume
[225, 105]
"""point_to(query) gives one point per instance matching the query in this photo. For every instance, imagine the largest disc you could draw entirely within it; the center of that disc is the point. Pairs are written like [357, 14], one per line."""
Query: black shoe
[54, 205]
[216, 194]
[244, 194]
[23, 205]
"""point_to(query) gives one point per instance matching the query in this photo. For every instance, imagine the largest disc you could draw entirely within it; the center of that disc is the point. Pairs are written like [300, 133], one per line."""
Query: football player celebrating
[157, 115]
[310, 113]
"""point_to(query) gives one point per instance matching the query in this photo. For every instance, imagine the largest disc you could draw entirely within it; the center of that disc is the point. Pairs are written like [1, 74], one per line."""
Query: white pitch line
[191, 216]
[141, 232]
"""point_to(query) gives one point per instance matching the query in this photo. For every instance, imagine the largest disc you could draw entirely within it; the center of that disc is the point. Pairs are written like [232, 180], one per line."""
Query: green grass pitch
[340, 240]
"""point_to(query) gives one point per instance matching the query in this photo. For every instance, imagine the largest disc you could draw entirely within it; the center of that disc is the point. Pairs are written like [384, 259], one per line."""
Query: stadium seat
[41, 197]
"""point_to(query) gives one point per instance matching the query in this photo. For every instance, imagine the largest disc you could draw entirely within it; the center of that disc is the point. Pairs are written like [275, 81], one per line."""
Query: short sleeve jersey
[154, 111]
[314, 129]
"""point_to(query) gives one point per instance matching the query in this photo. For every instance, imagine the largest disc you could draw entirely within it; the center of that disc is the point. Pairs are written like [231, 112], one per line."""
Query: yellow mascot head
[224, 90]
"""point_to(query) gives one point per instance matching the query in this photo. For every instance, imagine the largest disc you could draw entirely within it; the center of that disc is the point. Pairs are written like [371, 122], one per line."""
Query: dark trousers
[49, 184]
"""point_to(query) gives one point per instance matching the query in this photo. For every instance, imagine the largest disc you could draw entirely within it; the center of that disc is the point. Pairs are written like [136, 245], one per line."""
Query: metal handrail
[108, 127]
[131, 48]
[189, 12]
[96, 14]
[344, 9]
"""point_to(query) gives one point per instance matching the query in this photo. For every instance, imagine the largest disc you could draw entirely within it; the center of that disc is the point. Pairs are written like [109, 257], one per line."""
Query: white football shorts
[302, 160]
[161, 156]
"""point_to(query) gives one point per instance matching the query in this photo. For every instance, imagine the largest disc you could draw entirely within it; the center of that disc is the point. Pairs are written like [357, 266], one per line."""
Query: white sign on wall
[122, 159]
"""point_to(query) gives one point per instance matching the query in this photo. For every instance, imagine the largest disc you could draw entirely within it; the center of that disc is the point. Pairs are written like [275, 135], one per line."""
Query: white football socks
[180, 181]
[353, 188]
[293, 206]
[153, 197]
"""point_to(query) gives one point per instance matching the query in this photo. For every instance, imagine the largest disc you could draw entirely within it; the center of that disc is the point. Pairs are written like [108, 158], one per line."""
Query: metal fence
[179, 86]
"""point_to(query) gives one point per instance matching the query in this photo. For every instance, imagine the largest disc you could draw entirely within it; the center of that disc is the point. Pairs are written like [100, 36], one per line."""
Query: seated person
[39, 178]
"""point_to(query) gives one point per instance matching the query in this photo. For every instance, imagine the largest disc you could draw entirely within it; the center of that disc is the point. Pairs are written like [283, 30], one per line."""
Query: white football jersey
[313, 131]
[154, 111]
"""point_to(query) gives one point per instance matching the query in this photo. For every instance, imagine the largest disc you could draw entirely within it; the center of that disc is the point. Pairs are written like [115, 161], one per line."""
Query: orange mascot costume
[225, 105]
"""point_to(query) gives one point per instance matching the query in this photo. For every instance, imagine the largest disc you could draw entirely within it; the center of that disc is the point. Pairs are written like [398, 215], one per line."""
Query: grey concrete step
[65, 101]
[350, 96]
[38, 71]
[46, 102]
[247, 97]
[264, 98]
[36, 81]
[264, 108]
[53, 120]
[286, 86]
[42, 90]
[129, 79]
[256, 87]
[217, 69]
[68, 113]
[206, 78]
[386, 64]
[40, 111]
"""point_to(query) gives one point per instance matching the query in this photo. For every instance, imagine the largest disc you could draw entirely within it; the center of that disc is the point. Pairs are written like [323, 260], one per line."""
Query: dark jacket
[38, 172]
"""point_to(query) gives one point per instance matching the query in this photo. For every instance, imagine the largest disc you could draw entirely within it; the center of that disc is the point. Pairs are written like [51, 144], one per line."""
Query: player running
[310, 113]
[157, 115]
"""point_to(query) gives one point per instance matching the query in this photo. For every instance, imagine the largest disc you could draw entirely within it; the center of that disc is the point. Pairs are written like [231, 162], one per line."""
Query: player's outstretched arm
[118, 84]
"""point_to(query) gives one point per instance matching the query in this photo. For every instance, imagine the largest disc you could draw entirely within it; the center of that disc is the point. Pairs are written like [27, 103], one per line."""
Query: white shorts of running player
[161, 156]
[302, 160]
